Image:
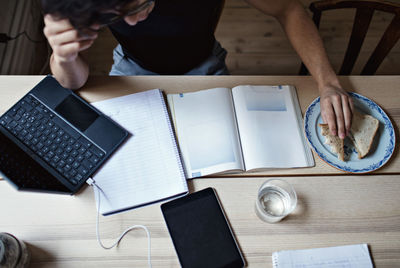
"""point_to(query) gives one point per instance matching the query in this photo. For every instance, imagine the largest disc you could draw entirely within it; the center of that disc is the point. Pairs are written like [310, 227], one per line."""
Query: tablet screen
[200, 232]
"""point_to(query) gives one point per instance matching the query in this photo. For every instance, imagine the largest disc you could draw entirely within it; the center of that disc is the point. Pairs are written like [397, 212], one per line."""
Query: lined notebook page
[351, 256]
[147, 167]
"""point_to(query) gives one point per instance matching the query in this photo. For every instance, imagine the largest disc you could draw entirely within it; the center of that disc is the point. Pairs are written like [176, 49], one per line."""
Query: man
[177, 37]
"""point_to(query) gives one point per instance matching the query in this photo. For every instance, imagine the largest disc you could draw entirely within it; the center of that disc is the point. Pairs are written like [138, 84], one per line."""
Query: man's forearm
[336, 105]
[305, 39]
[70, 74]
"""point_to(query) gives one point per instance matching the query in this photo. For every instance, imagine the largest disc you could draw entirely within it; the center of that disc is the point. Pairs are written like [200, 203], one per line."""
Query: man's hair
[81, 13]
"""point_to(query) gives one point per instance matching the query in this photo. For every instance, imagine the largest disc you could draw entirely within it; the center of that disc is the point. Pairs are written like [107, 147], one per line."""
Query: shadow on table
[39, 256]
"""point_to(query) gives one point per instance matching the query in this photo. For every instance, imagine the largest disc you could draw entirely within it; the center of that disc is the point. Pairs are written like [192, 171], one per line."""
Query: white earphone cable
[98, 190]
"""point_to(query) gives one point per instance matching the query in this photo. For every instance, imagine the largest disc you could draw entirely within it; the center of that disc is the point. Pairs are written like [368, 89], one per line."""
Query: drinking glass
[275, 200]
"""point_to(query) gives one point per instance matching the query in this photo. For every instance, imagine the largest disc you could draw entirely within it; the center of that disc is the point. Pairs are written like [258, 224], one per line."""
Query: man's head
[84, 13]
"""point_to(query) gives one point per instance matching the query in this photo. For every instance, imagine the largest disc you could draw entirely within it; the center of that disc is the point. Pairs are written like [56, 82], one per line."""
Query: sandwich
[336, 144]
[363, 130]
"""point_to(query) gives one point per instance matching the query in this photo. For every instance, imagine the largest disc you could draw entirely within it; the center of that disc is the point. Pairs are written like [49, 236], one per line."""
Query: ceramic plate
[382, 147]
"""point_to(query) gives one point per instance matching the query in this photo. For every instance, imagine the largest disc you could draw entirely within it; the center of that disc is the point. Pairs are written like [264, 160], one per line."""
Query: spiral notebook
[350, 256]
[147, 168]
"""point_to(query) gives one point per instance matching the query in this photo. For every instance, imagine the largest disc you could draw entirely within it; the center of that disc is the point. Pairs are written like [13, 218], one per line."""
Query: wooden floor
[257, 45]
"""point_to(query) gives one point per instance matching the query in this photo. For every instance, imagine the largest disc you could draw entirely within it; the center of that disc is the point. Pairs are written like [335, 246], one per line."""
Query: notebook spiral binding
[172, 132]
[275, 260]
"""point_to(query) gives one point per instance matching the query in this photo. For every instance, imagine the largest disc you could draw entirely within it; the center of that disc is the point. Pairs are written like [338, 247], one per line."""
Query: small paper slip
[147, 168]
[351, 256]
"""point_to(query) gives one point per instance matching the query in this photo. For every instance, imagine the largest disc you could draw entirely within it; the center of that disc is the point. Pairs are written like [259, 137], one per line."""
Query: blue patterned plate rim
[385, 147]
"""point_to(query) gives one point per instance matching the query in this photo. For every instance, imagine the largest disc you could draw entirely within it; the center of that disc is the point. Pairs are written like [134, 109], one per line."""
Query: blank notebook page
[351, 256]
[147, 168]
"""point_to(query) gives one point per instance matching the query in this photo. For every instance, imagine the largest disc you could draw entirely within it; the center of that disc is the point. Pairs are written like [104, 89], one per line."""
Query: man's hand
[336, 109]
[66, 63]
[65, 40]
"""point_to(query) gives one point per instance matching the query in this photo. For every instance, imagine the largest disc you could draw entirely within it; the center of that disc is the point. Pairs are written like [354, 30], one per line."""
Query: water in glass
[274, 203]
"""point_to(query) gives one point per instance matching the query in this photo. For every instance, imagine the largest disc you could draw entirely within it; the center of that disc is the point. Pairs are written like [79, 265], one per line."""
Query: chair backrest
[217, 14]
[364, 12]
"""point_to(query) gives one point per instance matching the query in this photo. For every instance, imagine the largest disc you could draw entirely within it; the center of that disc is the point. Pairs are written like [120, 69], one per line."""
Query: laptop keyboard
[24, 171]
[56, 142]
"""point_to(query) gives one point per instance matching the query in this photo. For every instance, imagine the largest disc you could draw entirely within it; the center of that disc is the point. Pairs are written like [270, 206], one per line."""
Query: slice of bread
[363, 130]
[334, 142]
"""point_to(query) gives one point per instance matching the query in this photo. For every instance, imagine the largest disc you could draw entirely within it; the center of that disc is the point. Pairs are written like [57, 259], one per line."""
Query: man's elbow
[281, 9]
[292, 9]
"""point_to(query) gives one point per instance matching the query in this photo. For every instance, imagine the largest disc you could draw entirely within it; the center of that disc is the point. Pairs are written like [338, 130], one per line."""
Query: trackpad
[105, 133]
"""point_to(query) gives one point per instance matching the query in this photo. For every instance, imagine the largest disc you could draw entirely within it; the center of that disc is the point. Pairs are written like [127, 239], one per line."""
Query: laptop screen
[23, 171]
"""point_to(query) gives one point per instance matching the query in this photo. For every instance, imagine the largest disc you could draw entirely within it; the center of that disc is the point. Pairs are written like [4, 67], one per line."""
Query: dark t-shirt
[176, 36]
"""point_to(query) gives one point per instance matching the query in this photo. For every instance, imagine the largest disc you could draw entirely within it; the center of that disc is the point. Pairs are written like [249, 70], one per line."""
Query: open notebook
[147, 168]
[246, 128]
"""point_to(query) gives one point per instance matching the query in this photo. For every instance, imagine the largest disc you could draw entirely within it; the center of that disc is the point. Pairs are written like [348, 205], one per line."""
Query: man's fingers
[69, 50]
[54, 26]
[85, 44]
[337, 106]
[347, 111]
[328, 115]
[66, 51]
[69, 37]
[351, 104]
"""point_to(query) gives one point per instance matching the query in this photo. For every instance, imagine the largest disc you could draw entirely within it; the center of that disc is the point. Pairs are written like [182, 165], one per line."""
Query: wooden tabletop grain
[332, 211]
[384, 90]
[334, 208]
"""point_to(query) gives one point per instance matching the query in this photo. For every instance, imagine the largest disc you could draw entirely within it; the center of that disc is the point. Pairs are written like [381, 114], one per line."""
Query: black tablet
[200, 232]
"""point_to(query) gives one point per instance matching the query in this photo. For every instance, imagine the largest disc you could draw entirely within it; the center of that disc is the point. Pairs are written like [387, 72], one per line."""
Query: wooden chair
[364, 13]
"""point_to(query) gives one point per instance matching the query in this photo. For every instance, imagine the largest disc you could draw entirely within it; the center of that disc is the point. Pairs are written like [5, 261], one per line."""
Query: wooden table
[334, 208]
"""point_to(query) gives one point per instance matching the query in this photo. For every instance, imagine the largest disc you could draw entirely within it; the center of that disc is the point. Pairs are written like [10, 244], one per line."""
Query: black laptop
[53, 141]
